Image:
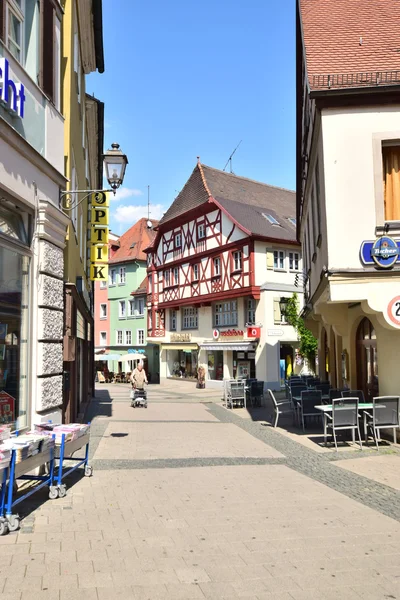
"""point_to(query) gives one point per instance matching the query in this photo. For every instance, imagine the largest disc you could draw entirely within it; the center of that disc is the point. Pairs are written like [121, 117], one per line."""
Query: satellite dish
[149, 224]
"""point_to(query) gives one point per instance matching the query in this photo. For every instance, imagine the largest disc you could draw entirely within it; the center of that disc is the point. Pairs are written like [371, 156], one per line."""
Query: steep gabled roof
[245, 200]
[142, 289]
[133, 242]
[351, 37]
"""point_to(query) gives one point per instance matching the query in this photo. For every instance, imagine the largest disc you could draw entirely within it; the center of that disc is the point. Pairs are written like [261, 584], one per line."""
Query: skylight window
[293, 221]
[133, 244]
[270, 219]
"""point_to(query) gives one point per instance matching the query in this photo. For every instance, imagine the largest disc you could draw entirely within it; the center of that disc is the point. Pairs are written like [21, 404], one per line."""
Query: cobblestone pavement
[189, 500]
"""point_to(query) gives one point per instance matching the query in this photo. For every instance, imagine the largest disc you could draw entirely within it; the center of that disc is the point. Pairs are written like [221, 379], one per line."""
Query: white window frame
[103, 316]
[103, 342]
[280, 259]
[122, 311]
[178, 236]
[128, 337]
[225, 314]
[201, 231]
[140, 337]
[112, 276]
[175, 272]
[237, 258]
[293, 258]
[117, 336]
[196, 272]
[190, 318]
[251, 307]
[122, 276]
[167, 278]
[173, 320]
[19, 13]
[103, 284]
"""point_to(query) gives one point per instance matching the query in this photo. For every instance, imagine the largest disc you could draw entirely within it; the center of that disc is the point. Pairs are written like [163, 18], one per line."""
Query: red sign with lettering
[7, 408]
[253, 332]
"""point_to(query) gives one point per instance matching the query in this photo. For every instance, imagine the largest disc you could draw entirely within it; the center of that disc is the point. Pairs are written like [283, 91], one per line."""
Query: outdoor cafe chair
[256, 393]
[237, 395]
[344, 417]
[309, 400]
[334, 393]
[354, 394]
[295, 391]
[280, 408]
[323, 387]
[385, 415]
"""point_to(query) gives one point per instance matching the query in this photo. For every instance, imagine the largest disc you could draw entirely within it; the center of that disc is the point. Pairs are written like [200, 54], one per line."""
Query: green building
[127, 312]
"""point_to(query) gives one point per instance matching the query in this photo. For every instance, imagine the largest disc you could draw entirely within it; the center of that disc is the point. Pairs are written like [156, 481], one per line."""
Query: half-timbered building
[223, 247]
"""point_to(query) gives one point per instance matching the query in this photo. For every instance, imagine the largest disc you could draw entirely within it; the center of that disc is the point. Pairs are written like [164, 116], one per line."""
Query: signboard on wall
[382, 253]
[7, 408]
[99, 237]
[181, 337]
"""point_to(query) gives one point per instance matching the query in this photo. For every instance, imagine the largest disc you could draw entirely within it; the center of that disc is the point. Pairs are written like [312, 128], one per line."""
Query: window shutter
[277, 311]
[270, 258]
[47, 82]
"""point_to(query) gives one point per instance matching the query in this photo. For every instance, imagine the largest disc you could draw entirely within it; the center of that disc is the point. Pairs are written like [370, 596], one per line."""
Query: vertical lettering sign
[99, 237]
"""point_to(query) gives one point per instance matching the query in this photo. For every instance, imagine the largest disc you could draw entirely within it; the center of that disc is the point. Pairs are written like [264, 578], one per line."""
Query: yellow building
[82, 53]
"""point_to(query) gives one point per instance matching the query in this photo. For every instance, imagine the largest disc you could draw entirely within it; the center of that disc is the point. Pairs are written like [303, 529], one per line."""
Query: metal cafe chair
[280, 408]
[385, 415]
[344, 417]
[354, 394]
[309, 399]
[334, 393]
[237, 395]
[323, 387]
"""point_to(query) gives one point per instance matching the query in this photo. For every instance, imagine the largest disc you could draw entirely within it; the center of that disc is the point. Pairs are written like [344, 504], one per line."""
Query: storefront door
[367, 360]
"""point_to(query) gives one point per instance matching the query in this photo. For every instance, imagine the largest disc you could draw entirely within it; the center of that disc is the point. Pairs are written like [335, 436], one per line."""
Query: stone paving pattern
[263, 517]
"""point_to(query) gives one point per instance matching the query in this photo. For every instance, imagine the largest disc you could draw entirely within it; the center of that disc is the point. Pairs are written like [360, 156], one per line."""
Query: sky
[185, 79]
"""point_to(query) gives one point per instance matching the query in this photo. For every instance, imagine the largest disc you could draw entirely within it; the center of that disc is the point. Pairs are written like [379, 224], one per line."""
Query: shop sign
[99, 237]
[253, 332]
[384, 252]
[274, 331]
[11, 93]
[392, 313]
[229, 333]
[181, 337]
[134, 351]
[7, 408]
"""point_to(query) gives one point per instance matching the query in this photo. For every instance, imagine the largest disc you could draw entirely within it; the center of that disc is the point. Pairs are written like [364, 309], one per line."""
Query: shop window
[215, 365]
[140, 337]
[217, 267]
[172, 320]
[225, 314]
[251, 311]
[103, 338]
[112, 279]
[119, 337]
[279, 260]
[391, 182]
[195, 273]
[294, 261]
[190, 318]
[122, 276]
[237, 260]
[122, 309]
[128, 337]
[103, 311]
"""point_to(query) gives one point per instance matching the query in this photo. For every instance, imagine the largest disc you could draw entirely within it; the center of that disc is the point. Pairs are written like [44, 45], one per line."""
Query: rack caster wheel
[62, 491]
[13, 522]
[3, 527]
[53, 492]
[88, 471]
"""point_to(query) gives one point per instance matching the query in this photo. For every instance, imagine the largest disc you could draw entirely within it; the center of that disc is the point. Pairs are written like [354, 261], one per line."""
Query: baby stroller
[138, 398]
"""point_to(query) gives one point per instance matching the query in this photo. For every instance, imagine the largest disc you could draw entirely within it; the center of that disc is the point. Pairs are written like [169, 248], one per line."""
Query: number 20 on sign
[393, 312]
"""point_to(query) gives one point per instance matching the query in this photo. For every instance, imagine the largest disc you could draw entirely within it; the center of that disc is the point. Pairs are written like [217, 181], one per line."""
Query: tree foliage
[308, 344]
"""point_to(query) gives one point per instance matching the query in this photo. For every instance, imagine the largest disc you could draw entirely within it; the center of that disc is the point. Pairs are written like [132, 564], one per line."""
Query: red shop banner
[253, 332]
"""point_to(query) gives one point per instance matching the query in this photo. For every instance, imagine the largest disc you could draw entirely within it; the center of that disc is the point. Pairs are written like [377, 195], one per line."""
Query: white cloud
[130, 214]
[124, 193]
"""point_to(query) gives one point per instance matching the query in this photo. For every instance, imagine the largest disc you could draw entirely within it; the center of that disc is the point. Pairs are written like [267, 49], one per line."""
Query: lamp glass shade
[115, 164]
[282, 305]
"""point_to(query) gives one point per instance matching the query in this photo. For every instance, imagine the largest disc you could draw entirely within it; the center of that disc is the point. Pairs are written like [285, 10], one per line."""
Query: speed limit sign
[393, 311]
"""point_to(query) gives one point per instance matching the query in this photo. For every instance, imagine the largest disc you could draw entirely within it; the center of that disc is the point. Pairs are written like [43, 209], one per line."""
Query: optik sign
[99, 237]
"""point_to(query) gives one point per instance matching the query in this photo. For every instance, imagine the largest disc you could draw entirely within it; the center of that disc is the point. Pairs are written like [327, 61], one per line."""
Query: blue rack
[64, 453]
[19, 471]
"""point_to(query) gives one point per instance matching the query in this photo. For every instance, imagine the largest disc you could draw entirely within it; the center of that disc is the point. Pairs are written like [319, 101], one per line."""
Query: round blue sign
[385, 252]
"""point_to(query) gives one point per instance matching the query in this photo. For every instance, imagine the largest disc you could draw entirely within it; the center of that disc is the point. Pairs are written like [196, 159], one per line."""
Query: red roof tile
[142, 289]
[139, 236]
[351, 36]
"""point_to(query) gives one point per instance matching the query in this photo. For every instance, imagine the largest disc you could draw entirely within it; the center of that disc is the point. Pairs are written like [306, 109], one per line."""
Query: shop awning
[230, 346]
[106, 357]
[184, 347]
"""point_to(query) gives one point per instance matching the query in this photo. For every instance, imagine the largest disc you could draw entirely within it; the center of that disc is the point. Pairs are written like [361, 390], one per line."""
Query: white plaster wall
[349, 177]
[263, 275]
